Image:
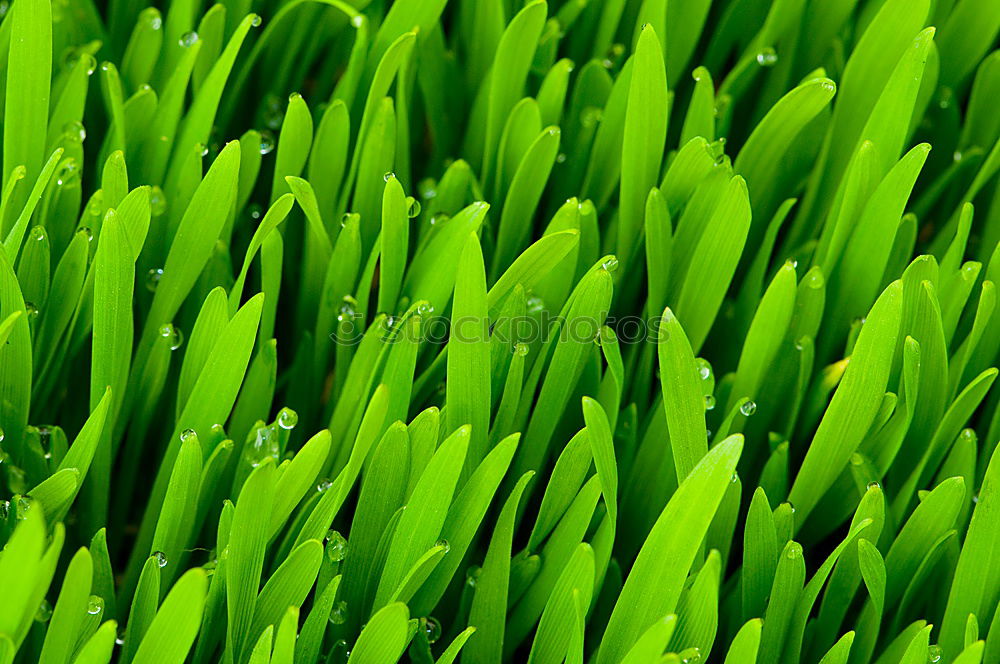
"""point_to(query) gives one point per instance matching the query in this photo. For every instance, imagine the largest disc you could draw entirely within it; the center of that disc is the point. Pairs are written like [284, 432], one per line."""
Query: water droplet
[95, 605]
[37, 233]
[934, 654]
[735, 478]
[968, 435]
[521, 349]
[472, 575]
[611, 264]
[172, 333]
[153, 280]
[265, 445]
[4, 509]
[427, 188]
[443, 543]
[767, 57]
[388, 176]
[266, 141]
[748, 408]
[44, 612]
[161, 558]
[793, 552]
[347, 309]
[201, 149]
[561, 158]
[336, 546]
[324, 485]
[357, 21]
[31, 310]
[432, 628]
[413, 207]
[151, 17]
[157, 201]
[439, 219]
[44, 438]
[704, 368]
[188, 434]
[425, 308]
[74, 131]
[874, 485]
[339, 614]
[90, 62]
[691, 655]
[274, 111]
[591, 116]
[709, 402]
[256, 211]
[535, 304]
[188, 39]
[255, 21]
[120, 638]
[857, 459]
[68, 172]
[287, 418]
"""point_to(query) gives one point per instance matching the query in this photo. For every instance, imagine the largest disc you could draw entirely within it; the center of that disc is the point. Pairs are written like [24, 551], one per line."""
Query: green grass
[498, 331]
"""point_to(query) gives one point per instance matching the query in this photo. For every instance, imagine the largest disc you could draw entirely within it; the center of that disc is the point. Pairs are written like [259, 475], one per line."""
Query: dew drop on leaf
[153, 280]
[287, 418]
[413, 207]
[767, 57]
[704, 368]
[157, 201]
[74, 131]
[266, 141]
[339, 614]
[44, 611]
[432, 628]
[336, 546]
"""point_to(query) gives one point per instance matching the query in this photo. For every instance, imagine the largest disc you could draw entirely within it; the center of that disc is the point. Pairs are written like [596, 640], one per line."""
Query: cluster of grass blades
[499, 331]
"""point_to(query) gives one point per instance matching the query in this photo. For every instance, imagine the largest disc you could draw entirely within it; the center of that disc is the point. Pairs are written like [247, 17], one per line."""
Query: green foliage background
[488, 331]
